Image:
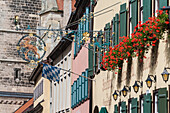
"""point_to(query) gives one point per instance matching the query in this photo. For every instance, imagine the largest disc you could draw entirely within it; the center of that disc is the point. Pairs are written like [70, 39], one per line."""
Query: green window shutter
[123, 20]
[86, 84]
[162, 100]
[134, 105]
[113, 32]
[79, 36]
[123, 107]
[71, 96]
[80, 89]
[77, 86]
[75, 45]
[100, 48]
[162, 3]
[95, 55]
[87, 18]
[134, 12]
[81, 31]
[90, 54]
[83, 86]
[107, 33]
[147, 10]
[115, 108]
[116, 29]
[75, 94]
[147, 104]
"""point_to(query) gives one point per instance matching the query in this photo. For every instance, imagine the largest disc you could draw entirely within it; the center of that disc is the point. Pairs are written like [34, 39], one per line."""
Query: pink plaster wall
[80, 63]
[83, 108]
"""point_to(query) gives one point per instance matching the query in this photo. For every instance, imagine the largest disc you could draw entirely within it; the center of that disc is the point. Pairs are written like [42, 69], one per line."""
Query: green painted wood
[134, 105]
[107, 34]
[90, 58]
[162, 100]
[123, 20]
[113, 32]
[80, 89]
[116, 29]
[162, 3]
[86, 84]
[83, 86]
[87, 18]
[134, 12]
[75, 45]
[77, 97]
[147, 104]
[147, 10]
[123, 107]
[71, 96]
[75, 94]
[115, 108]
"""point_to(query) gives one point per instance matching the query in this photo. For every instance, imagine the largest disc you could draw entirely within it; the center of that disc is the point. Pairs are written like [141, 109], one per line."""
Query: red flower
[121, 58]
[144, 39]
[153, 44]
[166, 22]
[157, 31]
[148, 45]
[128, 54]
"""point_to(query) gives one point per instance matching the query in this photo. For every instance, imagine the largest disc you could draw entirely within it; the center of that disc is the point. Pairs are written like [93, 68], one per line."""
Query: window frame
[141, 11]
[155, 92]
[140, 103]
[154, 8]
[130, 17]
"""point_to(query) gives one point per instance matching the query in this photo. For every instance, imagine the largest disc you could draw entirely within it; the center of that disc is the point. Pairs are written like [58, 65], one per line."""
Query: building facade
[14, 93]
[120, 22]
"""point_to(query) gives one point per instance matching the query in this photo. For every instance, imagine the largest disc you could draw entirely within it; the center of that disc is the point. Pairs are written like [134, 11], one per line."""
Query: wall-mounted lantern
[137, 85]
[115, 94]
[149, 80]
[165, 74]
[125, 90]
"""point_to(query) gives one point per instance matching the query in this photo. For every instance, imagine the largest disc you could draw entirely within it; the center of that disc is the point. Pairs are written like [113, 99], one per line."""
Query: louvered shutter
[134, 11]
[77, 89]
[87, 19]
[162, 100]
[74, 94]
[147, 105]
[80, 89]
[134, 105]
[113, 32]
[83, 86]
[71, 96]
[123, 20]
[75, 45]
[95, 55]
[79, 36]
[115, 108]
[147, 10]
[123, 107]
[86, 84]
[107, 33]
[90, 54]
[162, 3]
[116, 29]
[100, 48]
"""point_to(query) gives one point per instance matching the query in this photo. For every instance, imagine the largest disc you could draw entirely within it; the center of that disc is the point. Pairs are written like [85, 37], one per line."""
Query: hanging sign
[32, 49]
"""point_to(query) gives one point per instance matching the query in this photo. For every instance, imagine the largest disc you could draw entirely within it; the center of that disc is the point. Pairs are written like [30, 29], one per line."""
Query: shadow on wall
[167, 50]
[139, 68]
[119, 79]
[128, 71]
[154, 57]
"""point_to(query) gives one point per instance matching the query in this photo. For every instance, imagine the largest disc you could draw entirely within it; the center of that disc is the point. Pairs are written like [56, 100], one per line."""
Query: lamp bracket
[154, 77]
[119, 92]
[167, 67]
[140, 83]
[128, 88]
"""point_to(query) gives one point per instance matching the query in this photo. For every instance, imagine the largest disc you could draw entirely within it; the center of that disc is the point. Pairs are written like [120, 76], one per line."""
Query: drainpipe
[91, 35]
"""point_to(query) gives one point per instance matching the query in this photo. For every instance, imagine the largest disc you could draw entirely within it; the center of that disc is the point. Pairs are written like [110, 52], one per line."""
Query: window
[156, 7]
[141, 11]
[130, 19]
[17, 74]
[38, 91]
[141, 103]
